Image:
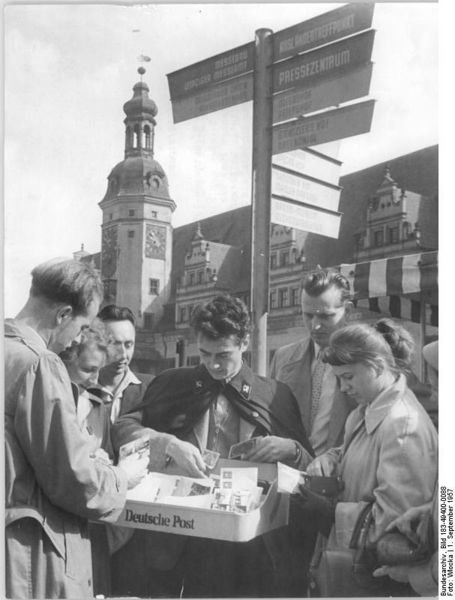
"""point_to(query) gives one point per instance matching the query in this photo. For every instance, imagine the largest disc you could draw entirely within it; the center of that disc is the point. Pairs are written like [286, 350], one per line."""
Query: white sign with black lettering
[307, 191]
[305, 218]
[310, 163]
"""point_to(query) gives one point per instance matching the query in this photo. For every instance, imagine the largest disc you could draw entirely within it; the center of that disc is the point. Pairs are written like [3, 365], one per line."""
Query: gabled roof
[231, 228]
[416, 172]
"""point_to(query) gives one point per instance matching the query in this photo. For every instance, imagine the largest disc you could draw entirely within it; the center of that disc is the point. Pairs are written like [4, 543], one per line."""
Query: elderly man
[323, 408]
[53, 484]
[212, 406]
[121, 389]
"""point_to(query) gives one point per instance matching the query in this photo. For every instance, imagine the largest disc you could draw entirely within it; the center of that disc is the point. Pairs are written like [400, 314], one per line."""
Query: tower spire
[140, 120]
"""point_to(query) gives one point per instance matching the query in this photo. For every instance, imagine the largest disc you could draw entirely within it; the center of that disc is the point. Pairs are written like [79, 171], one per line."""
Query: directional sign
[322, 29]
[332, 60]
[204, 74]
[304, 190]
[332, 92]
[325, 127]
[229, 93]
[310, 163]
[305, 218]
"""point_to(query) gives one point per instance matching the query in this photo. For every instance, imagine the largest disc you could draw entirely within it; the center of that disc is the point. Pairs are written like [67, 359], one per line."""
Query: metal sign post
[317, 64]
[261, 198]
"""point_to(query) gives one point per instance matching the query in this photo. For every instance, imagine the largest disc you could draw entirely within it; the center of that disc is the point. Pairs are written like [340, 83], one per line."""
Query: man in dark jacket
[212, 406]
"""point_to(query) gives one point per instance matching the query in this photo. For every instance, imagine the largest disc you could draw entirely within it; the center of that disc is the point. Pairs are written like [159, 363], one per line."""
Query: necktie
[84, 407]
[316, 387]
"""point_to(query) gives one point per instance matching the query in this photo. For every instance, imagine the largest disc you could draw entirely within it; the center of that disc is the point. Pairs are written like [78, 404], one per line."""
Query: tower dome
[140, 104]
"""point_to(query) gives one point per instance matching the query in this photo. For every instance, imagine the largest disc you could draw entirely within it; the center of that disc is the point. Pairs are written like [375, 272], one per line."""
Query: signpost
[336, 59]
[304, 217]
[324, 127]
[229, 93]
[205, 74]
[310, 163]
[331, 92]
[303, 189]
[317, 64]
[322, 29]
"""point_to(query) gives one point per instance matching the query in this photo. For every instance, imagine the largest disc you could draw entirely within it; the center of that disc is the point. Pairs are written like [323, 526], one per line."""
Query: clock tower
[136, 247]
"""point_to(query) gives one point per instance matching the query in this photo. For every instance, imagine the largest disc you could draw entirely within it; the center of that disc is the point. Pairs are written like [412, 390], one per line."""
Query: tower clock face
[109, 252]
[155, 241]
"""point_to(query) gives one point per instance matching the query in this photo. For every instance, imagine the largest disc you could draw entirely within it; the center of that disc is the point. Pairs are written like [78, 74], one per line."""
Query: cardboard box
[273, 512]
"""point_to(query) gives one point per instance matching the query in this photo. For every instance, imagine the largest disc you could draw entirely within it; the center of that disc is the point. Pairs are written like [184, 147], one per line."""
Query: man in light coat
[323, 408]
[52, 483]
[325, 306]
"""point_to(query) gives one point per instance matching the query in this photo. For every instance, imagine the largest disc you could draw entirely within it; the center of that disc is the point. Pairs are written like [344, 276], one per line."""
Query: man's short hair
[112, 312]
[67, 282]
[318, 281]
[222, 317]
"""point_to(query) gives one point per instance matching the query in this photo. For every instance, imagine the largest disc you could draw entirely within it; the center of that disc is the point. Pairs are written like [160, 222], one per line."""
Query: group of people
[336, 403]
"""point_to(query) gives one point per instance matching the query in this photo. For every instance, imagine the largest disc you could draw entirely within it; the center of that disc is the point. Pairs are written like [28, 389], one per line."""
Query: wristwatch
[298, 453]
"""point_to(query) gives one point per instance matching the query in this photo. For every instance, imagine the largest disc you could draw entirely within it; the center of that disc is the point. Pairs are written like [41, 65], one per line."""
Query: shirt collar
[12, 327]
[376, 412]
[128, 379]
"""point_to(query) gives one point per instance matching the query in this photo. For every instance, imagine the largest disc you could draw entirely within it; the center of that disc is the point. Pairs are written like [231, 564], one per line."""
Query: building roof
[416, 172]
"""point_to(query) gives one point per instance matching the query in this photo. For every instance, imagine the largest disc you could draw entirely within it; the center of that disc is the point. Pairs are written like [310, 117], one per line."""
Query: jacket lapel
[297, 374]
[201, 431]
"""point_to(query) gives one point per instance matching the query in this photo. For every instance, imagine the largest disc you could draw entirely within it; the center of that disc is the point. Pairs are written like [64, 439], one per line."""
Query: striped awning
[397, 275]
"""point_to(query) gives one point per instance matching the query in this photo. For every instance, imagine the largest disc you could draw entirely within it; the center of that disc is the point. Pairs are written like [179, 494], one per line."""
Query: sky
[70, 68]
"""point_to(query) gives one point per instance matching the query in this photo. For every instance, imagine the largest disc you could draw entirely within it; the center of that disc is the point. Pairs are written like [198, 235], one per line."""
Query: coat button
[255, 414]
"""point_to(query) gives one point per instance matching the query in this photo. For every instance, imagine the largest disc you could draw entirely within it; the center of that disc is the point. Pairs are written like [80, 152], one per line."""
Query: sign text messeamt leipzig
[219, 96]
[206, 73]
[332, 60]
[323, 127]
[323, 29]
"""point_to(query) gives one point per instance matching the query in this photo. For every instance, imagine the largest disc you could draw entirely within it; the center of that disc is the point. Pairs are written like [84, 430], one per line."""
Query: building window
[200, 276]
[379, 237]
[147, 137]
[373, 304]
[283, 297]
[273, 262]
[273, 303]
[130, 234]
[110, 216]
[191, 278]
[284, 259]
[182, 314]
[295, 298]
[148, 320]
[192, 361]
[154, 286]
[393, 235]
[154, 214]
[131, 213]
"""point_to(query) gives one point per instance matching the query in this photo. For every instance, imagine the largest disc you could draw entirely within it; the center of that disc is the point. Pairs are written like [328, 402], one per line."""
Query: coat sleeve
[48, 432]
[407, 467]
[406, 472]
[129, 427]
